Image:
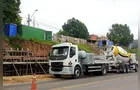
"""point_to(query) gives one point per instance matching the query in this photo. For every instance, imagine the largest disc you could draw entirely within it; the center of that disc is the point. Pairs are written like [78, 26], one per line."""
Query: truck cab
[64, 60]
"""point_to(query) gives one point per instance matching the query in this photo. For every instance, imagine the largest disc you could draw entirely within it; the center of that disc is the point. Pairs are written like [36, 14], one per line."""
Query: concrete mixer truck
[67, 59]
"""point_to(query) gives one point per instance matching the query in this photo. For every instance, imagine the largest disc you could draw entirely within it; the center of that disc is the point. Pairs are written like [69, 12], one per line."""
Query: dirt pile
[36, 48]
[28, 78]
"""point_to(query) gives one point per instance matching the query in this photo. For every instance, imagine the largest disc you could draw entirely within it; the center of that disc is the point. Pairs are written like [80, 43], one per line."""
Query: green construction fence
[28, 32]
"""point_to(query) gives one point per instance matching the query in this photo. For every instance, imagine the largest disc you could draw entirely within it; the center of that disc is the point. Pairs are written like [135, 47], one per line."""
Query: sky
[97, 15]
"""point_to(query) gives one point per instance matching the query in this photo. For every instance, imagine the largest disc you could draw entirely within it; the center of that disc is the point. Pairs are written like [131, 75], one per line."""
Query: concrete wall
[62, 38]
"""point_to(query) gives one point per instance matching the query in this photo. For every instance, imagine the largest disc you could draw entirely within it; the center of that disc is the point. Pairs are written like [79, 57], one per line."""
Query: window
[59, 53]
[72, 51]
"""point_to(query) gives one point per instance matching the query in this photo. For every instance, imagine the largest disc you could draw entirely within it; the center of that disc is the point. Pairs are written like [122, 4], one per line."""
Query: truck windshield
[59, 53]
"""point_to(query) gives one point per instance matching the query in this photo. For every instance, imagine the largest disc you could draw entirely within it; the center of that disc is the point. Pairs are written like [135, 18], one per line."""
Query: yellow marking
[116, 51]
[86, 84]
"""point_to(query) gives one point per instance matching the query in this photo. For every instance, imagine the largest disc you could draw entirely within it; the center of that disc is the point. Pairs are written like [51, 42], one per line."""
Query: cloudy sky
[98, 15]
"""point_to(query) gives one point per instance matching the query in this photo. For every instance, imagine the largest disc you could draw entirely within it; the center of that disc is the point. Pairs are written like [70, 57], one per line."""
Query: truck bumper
[65, 71]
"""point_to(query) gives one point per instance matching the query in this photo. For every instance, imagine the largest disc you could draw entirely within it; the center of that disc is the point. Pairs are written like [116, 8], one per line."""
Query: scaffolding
[23, 62]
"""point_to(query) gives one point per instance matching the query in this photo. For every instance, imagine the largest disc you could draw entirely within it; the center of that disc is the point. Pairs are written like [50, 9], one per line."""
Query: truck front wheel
[103, 70]
[77, 72]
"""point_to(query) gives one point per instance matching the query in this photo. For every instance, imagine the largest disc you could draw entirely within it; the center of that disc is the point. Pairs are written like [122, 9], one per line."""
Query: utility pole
[28, 20]
[34, 22]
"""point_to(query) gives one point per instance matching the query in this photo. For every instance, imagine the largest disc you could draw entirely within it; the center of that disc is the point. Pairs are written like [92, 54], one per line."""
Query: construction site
[31, 57]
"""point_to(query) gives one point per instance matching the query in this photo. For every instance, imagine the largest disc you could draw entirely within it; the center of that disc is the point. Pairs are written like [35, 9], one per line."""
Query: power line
[40, 23]
[48, 25]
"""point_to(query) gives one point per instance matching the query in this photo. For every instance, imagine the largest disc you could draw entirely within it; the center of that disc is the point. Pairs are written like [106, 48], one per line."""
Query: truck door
[72, 56]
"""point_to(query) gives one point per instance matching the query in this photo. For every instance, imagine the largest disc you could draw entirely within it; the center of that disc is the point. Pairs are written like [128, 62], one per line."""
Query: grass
[5, 38]
[86, 48]
[131, 50]
[18, 45]
[49, 42]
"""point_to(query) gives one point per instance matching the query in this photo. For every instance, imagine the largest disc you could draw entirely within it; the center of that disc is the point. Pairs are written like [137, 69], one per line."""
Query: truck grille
[56, 66]
[58, 69]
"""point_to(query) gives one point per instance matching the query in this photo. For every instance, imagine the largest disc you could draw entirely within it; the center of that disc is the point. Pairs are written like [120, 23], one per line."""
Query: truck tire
[103, 70]
[118, 71]
[57, 75]
[127, 69]
[124, 69]
[77, 72]
[136, 68]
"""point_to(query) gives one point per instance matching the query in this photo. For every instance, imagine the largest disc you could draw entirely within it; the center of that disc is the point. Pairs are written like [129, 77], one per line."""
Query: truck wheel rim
[124, 70]
[104, 71]
[118, 70]
[128, 69]
[77, 72]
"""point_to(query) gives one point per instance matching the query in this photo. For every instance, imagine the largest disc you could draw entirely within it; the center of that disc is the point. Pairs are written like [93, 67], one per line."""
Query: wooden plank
[24, 62]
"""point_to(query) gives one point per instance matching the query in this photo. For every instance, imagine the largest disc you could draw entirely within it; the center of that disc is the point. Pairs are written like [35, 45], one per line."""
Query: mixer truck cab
[64, 60]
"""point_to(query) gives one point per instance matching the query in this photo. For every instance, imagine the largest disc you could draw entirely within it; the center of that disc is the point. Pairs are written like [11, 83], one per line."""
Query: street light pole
[29, 18]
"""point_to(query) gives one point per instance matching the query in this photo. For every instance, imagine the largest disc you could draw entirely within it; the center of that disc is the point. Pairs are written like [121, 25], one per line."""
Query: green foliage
[131, 50]
[11, 10]
[5, 38]
[18, 45]
[13, 44]
[43, 41]
[61, 32]
[19, 29]
[85, 47]
[120, 34]
[74, 28]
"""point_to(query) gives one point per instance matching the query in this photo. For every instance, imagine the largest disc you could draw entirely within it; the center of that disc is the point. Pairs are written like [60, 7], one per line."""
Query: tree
[11, 10]
[120, 34]
[75, 28]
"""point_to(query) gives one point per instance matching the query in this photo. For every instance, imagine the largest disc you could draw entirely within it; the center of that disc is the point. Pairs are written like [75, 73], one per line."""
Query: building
[103, 38]
[93, 37]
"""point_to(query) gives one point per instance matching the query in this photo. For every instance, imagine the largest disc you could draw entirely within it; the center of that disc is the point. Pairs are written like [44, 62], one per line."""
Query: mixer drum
[121, 54]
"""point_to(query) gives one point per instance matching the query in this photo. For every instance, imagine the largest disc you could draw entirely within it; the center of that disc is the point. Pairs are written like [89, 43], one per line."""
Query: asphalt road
[109, 82]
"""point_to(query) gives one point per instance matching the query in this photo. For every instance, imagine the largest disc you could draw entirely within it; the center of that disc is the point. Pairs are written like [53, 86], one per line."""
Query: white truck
[66, 59]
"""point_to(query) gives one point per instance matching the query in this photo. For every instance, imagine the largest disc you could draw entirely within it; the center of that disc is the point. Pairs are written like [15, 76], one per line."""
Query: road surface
[108, 82]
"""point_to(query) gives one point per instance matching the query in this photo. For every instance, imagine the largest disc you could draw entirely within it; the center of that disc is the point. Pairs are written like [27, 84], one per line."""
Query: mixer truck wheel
[127, 69]
[124, 69]
[77, 72]
[136, 68]
[103, 70]
[117, 70]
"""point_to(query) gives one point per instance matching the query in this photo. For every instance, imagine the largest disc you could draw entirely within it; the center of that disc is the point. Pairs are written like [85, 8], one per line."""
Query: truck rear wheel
[124, 69]
[57, 75]
[127, 69]
[77, 72]
[136, 68]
